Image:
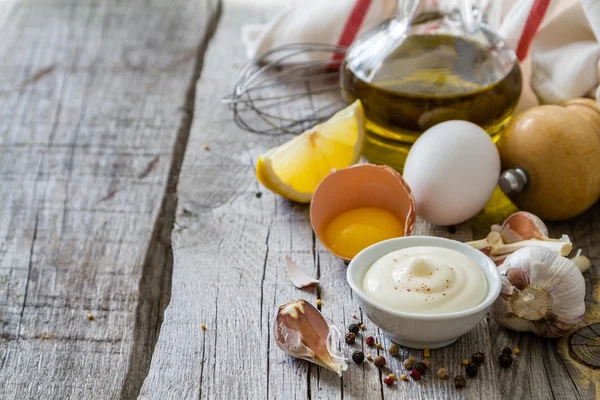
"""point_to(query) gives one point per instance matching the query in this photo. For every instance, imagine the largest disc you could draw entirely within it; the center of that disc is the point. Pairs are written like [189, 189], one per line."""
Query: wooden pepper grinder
[551, 159]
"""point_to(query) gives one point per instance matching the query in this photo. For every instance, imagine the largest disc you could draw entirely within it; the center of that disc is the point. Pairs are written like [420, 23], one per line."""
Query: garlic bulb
[301, 331]
[542, 292]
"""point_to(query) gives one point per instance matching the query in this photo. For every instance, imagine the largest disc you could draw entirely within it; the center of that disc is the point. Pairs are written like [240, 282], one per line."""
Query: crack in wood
[29, 268]
[262, 280]
[202, 362]
[214, 367]
[151, 165]
[548, 378]
[308, 393]
[565, 366]
[37, 76]
[152, 289]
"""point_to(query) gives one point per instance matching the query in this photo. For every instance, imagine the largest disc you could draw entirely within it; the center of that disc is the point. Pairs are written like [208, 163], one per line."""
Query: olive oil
[429, 79]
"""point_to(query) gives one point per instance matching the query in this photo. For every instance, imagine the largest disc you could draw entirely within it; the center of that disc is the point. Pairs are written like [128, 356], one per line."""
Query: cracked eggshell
[361, 185]
[452, 169]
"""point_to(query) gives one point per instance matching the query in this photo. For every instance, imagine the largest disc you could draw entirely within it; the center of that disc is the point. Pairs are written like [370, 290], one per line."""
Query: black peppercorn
[358, 356]
[350, 338]
[353, 328]
[460, 381]
[478, 358]
[472, 370]
[507, 351]
[505, 360]
[421, 367]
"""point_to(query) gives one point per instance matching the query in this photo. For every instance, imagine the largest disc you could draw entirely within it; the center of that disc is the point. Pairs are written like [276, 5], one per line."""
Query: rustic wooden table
[104, 222]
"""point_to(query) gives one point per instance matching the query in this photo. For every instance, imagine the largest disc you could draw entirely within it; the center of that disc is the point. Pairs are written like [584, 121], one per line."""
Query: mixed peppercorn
[416, 369]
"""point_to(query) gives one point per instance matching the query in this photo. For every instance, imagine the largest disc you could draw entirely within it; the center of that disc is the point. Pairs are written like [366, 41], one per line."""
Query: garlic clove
[301, 331]
[562, 246]
[582, 262]
[522, 226]
[542, 292]
[521, 229]
[297, 276]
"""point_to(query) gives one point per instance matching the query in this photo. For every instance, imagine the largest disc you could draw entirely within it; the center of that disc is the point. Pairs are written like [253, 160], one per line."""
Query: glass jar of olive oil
[436, 61]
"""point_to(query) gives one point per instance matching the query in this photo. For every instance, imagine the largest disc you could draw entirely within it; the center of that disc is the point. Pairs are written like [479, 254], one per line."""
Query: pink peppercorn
[415, 374]
[370, 340]
[388, 381]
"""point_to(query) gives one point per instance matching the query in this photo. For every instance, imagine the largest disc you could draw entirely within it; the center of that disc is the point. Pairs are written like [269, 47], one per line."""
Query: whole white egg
[452, 169]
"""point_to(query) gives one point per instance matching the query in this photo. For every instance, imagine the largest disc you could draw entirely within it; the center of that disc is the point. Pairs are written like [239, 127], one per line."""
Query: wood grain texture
[92, 103]
[229, 273]
[546, 368]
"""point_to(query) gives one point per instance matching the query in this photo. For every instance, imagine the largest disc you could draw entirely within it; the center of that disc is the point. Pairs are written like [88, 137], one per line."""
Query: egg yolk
[354, 230]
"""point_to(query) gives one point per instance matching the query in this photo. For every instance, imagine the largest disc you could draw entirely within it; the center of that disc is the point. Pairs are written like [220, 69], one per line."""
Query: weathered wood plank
[91, 100]
[229, 274]
[545, 368]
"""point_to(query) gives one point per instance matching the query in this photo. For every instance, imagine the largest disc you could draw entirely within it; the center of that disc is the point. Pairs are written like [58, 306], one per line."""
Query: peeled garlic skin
[542, 292]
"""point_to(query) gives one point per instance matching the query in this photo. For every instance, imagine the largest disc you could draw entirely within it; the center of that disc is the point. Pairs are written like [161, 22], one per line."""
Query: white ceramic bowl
[421, 331]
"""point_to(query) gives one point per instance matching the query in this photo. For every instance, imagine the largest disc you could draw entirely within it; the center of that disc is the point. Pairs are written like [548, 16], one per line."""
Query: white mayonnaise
[426, 280]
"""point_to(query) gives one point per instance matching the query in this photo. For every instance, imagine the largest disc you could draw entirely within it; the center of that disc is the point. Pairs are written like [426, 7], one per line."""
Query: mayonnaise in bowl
[426, 280]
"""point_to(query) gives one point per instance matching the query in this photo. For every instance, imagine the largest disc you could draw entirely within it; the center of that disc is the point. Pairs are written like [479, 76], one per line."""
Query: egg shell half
[452, 169]
[361, 185]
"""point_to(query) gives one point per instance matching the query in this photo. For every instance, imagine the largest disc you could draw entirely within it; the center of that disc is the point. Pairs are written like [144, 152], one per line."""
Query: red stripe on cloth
[534, 19]
[355, 20]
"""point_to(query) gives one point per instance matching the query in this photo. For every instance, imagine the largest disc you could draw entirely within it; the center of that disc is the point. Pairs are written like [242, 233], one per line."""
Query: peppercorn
[415, 374]
[516, 351]
[388, 381]
[404, 377]
[393, 376]
[358, 356]
[478, 358]
[350, 338]
[90, 316]
[442, 373]
[203, 327]
[507, 351]
[409, 363]
[394, 349]
[379, 345]
[369, 357]
[379, 362]
[353, 328]
[426, 353]
[363, 326]
[258, 195]
[465, 362]
[370, 340]
[505, 360]
[472, 370]
[427, 362]
[421, 367]
[460, 381]
[319, 302]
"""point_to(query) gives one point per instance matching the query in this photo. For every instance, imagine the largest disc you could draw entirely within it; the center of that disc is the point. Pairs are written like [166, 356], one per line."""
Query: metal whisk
[283, 92]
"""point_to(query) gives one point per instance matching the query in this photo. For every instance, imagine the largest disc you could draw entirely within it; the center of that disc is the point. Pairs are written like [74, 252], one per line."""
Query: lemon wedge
[294, 169]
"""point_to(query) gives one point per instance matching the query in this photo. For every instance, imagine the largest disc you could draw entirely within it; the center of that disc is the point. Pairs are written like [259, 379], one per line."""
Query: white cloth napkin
[563, 62]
